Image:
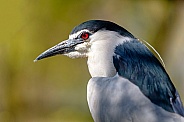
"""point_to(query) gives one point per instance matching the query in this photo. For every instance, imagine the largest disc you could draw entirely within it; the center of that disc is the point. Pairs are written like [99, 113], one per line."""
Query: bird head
[83, 36]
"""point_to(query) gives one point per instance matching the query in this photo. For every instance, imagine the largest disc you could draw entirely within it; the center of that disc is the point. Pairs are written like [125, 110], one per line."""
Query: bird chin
[76, 54]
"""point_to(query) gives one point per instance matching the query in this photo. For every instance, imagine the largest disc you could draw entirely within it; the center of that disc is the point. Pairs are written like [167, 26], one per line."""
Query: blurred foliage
[54, 90]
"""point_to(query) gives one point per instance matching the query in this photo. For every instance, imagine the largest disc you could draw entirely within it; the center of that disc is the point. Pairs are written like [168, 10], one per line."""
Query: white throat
[100, 56]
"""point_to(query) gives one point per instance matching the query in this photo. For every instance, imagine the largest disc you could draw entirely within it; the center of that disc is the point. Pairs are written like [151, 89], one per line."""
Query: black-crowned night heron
[128, 84]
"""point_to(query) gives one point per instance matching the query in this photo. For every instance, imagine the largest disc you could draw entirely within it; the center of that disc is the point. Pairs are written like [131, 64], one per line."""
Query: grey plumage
[116, 99]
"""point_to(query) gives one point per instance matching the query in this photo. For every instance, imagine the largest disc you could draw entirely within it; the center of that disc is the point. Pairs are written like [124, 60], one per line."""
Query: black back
[134, 61]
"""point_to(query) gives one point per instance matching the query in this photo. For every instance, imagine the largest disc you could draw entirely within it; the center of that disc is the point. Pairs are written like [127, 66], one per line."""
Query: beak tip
[38, 58]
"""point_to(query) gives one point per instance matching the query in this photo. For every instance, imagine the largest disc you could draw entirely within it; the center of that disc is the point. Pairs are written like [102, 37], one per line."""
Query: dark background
[54, 90]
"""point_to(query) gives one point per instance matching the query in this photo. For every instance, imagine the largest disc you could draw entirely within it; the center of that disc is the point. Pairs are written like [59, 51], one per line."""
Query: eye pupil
[85, 36]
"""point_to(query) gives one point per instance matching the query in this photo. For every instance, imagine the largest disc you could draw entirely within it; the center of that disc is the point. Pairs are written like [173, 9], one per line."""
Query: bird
[128, 82]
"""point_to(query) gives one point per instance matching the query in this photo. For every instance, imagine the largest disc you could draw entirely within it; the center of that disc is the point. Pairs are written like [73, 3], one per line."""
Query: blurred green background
[54, 90]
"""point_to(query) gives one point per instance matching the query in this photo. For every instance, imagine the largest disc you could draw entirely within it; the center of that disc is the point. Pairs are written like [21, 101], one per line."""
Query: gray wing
[116, 99]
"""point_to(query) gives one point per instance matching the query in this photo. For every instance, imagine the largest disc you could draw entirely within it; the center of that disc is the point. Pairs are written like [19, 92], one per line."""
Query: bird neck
[100, 61]
[100, 56]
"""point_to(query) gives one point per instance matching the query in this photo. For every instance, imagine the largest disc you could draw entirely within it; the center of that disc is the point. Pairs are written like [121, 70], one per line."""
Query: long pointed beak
[61, 48]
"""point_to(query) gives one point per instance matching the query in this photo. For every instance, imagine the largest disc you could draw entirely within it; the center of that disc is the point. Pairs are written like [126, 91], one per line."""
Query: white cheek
[82, 47]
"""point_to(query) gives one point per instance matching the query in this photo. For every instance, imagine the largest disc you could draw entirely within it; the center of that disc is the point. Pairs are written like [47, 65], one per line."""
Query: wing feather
[134, 61]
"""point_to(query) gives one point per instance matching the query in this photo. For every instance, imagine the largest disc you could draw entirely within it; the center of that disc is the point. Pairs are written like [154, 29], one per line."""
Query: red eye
[85, 35]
